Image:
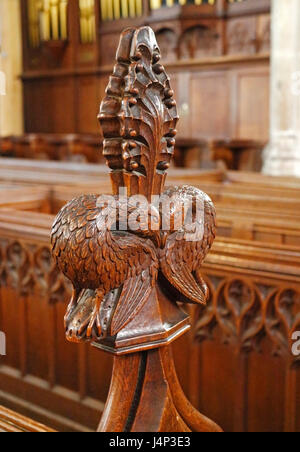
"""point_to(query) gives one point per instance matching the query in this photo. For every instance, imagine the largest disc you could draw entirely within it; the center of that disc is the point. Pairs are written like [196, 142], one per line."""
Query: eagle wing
[181, 259]
[142, 274]
[74, 238]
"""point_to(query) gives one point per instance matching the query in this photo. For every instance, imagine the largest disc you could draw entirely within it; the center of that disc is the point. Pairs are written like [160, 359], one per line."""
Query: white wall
[11, 109]
[282, 155]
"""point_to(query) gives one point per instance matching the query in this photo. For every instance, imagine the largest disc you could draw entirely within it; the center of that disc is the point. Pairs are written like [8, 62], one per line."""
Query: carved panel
[247, 312]
[241, 36]
[197, 42]
[264, 33]
[29, 269]
[212, 88]
[252, 107]
[167, 42]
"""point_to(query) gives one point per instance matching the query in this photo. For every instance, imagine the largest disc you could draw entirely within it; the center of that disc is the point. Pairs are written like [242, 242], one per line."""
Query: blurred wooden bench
[11, 422]
[253, 274]
[70, 383]
[78, 147]
[238, 154]
[65, 147]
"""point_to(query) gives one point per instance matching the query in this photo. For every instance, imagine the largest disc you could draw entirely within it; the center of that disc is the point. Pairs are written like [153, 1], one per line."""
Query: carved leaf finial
[117, 271]
[138, 116]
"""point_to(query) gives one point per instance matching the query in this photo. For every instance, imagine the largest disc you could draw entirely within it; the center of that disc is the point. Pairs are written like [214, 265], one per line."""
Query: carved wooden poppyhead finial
[127, 275]
[138, 116]
[127, 280]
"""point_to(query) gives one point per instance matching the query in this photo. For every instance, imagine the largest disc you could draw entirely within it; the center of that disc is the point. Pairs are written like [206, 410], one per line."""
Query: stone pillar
[282, 155]
[11, 109]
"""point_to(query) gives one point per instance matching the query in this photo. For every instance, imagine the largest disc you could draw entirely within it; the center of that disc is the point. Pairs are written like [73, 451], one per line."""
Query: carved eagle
[185, 248]
[95, 258]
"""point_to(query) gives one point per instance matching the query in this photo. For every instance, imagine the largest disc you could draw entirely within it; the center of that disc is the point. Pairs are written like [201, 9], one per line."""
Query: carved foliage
[197, 42]
[246, 312]
[282, 317]
[138, 115]
[241, 36]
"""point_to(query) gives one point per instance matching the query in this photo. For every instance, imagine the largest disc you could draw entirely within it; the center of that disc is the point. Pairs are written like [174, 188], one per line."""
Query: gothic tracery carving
[241, 37]
[246, 313]
[197, 42]
[29, 268]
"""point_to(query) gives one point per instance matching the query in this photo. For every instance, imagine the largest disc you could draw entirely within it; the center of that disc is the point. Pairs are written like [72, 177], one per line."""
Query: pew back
[237, 343]
[11, 422]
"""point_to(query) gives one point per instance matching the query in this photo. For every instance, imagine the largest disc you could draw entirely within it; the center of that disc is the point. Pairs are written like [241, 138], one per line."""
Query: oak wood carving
[127, 280]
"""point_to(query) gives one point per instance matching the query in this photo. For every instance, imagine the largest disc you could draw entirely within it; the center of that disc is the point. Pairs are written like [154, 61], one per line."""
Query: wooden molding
[11, 422]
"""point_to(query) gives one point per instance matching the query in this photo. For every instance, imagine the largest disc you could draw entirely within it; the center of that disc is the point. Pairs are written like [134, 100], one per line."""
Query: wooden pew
[7, 148]
[245, 209]
[32, 146]
[253, 209]
[240, 329]
[65, 147]
[234, 220]
[262, 180]
[11, 422]
[254, 287]
[251, 224]
[25, 198]
[189, 152]
[50, 173]
[236, 154]
[85, 148]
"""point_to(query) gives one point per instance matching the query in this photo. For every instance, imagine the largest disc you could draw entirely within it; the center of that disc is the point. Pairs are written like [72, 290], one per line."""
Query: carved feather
[135, 293]
[181, 258]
